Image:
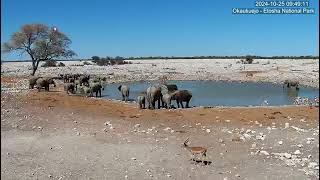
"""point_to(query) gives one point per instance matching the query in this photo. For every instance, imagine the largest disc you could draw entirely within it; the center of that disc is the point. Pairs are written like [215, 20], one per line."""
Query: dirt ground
[50, 135]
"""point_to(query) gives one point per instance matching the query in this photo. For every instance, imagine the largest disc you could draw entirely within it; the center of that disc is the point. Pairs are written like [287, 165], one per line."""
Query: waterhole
[221, 93]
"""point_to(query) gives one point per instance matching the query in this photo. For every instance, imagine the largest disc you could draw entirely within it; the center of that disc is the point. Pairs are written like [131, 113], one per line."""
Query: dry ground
[50, 135]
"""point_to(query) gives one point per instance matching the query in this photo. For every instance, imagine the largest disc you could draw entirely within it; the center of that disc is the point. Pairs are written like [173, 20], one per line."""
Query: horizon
[135, 29]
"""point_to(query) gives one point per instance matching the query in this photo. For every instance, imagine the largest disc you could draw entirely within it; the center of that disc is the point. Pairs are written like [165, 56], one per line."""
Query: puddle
[220, 93]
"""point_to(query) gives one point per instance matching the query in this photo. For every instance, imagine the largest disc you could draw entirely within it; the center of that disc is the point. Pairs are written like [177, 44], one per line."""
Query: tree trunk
[35, 64]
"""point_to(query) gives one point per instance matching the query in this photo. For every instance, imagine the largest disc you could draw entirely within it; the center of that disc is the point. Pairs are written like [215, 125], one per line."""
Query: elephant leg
[187, 104]
[181, 104]
[178, 104]
[100, 92]
[159, 104]
[122, 97]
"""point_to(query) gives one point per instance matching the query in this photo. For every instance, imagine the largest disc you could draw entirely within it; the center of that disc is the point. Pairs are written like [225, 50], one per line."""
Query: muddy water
[220, 93]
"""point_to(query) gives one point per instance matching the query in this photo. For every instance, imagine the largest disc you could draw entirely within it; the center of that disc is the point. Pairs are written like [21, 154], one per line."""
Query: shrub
[49, 63]
[249, 60]
[60, 64]
[101, 62]
[86, 63]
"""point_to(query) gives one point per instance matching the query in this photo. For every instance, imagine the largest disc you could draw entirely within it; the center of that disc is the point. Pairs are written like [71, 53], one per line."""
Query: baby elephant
[69, 87]
[141, 99]
[96, 87]
[124, 92]
[182, 96]
[45, 82]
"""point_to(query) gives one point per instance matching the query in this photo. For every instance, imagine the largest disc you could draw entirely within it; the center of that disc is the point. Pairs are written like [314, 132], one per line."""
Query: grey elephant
[96, 87]
[45, 83]
[141, 101]
[70, 87]
[182, 96]
[166, 100]
[84, 80]
[33, 82]
[124, 92]
[85, 90]
[171, 87]
[291, 83]
[153, 95]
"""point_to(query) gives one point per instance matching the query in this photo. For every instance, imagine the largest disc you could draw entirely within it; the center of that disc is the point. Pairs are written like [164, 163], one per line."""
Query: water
[220, 93]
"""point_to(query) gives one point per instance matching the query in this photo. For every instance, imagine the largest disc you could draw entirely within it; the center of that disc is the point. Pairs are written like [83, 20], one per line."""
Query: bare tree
[40, 42]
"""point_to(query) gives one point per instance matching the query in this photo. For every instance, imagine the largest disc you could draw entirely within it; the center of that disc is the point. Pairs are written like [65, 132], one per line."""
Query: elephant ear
[119, 88]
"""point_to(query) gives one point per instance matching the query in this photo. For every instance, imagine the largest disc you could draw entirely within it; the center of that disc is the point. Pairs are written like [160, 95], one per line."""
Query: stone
[264, 153]
[137, 125]
[300, 145]
[297, 152]
[208, 130]
[286, 125]
[134, 158]
[280, 142]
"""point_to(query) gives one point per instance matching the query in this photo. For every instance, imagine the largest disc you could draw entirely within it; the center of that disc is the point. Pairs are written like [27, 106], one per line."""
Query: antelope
[195, 150]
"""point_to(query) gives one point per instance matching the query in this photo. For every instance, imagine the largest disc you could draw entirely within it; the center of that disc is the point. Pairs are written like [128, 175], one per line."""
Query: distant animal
[33, 82]
[44, 83]
[141, 101]
[153, 95]
[182, 96]
[69, 87]
[124, 92]
[195, 150]
[291, 83]
[96, 87]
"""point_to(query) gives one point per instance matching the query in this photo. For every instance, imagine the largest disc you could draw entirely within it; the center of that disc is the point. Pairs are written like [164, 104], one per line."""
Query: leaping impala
[195, 150]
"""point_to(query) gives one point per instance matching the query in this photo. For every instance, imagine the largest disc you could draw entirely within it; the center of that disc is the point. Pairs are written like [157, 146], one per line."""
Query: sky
[165, 27]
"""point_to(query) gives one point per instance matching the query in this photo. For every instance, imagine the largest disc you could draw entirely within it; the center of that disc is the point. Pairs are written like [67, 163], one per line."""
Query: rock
[254, 145]
[172, 131]
[134, 158]
[264, 153]
[297, 152]
[78, 133]
[308, 142]
[40, 128]
[227, 120]
[287, 155]
[237, 175]
[286, 125]
[208, 130]
[105, 130]
[300, 145]
[280, 142]
[247, 136]
[313, 165]
[221, 141]
[168, 175]
[50, 176]
[75, 121]
[167, 128]
[309, 156]
[126, 176]
[107, 123]
[225, 178]
[137, 125]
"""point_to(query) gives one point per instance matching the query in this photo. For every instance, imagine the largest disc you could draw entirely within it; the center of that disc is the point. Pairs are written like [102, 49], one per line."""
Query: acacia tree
[40, 42]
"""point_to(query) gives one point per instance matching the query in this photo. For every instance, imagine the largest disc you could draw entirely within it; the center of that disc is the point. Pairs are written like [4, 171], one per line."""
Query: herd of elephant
[161, 93]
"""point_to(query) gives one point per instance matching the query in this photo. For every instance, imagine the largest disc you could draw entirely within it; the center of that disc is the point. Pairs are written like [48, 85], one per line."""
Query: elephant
[166, 100]
[70, 87]
[84, 80]
[171, 87]
[182, 96]
[142, 101]
[153, 95]
[45, 82]
[124, 92]
[85, 90]
[96, 87]
[33, 82]
[290, 83]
